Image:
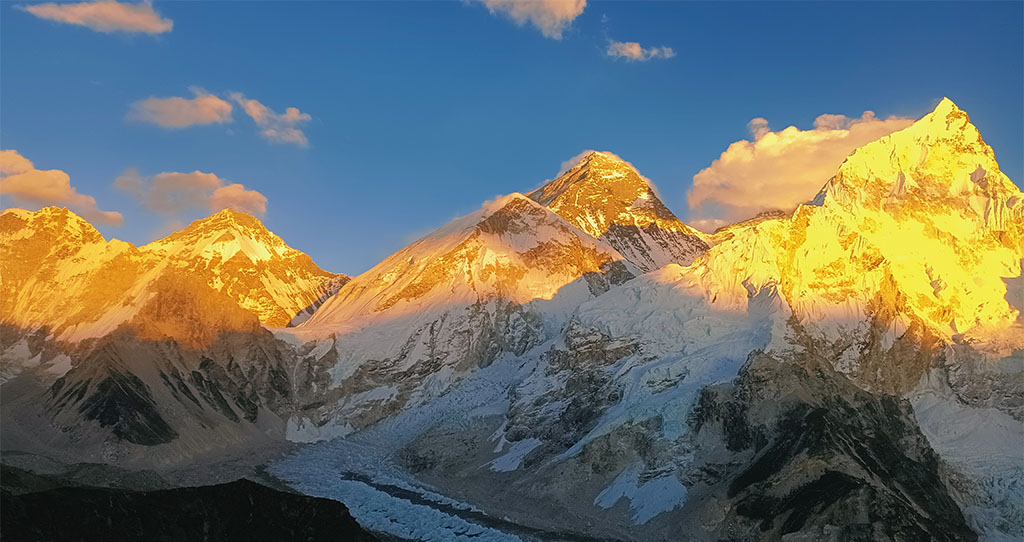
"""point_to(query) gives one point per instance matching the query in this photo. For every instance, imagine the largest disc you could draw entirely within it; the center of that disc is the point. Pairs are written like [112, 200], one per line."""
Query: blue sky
[421, 111]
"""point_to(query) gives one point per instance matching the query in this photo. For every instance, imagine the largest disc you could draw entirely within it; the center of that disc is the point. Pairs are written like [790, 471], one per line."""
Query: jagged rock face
[607, 198]
[521, 347]
[511, 249]
[908, 247]
[59, 272]
[793, 449]
[190, 363]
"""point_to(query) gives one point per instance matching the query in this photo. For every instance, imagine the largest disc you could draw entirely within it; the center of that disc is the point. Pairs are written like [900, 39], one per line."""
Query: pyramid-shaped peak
[606, 197]
[226, 219]
[594, 158]
[937, 162]
[595, 172]
[226, 231]
[945, 107]
[946, 133]
[229, 214]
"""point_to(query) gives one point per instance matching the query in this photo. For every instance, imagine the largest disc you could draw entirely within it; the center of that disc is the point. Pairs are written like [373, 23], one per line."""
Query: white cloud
[105, 16]
[32, 187]
[206, 108]
[176, 113]
[571, 163]
[275, 127]
[173, 193]
[631, 50]
[758, 127]
[237, 197]
[551, 17]
[779, 170]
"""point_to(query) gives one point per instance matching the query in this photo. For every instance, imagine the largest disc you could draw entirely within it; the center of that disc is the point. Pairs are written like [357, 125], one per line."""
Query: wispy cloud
[551, 17]
[275, 127]
[631, 50]
[779, 170]
[206, 108]
[176, 113]
[105, 16]
[173, 193]
[33, 187]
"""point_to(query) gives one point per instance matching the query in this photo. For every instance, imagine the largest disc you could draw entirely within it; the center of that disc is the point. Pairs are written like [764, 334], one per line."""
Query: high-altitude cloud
[631, 50]
[778, 170]
[173, 193]
[105, 16]
[551, 17]
[31, 187]
[176, 113]
[274, 127]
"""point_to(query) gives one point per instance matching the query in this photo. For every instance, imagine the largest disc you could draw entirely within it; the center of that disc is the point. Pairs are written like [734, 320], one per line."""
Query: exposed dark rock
[824, 457]
[124, 403]
[241, 510]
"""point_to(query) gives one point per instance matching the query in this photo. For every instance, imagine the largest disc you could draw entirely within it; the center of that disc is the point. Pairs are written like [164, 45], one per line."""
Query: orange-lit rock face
[608, 199]
[59, 273]
[912, 240]
[183, 308]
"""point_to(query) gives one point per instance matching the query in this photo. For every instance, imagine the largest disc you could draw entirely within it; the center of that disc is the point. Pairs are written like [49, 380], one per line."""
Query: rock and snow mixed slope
[451, 302]
[238, 256]
[850, 370]
[161, 344]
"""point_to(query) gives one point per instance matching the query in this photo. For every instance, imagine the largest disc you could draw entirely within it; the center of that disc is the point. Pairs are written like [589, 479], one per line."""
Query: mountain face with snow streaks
[160, 344]
[453, 301]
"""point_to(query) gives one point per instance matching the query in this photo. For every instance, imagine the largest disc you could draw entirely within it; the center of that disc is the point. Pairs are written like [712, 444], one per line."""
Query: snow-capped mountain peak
[223, 235]
[939, 164]
[237, 254]
[608, 198]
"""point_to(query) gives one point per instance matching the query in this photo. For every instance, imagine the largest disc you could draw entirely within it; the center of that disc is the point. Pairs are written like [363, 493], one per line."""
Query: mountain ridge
[538, 345]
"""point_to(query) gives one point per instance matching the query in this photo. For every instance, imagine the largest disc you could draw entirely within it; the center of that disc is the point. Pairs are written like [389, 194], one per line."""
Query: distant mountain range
[574, 363]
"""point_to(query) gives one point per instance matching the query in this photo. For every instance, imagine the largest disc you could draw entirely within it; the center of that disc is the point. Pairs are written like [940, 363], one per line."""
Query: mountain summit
[609, 199]
[239, 256]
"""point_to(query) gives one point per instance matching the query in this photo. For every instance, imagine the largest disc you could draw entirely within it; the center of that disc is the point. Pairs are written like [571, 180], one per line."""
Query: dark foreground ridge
[240, 510]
